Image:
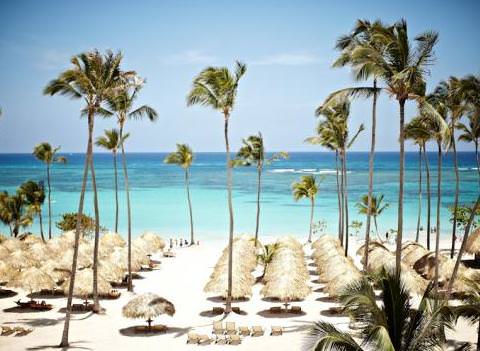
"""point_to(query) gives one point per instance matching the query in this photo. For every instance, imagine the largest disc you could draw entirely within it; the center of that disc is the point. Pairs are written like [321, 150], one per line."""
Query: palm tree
[122, 104]
[417, 131]
[266, 256]
[183, 157]
[217, 87]
[48, 155]
[306, 188]
[471, 134]
[253, 152]
[5, 215]
[377, 206]
[14, 212]
[111, 141]
[394, 325]
[93, 78]
[34, 195]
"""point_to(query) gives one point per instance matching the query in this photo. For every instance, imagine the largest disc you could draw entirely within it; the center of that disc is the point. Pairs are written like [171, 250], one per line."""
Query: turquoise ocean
[159, 201]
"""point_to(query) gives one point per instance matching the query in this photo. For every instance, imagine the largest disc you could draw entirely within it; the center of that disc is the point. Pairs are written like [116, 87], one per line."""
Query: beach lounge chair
[221, 340]
[257, 330]
[218, 328]
[296, 310]
[21, 331]
[244, 331]
[204, 339]
[193, 338]
[234, 340]
[6, 330]
[275, 310]
[276, 331]
[230, 328]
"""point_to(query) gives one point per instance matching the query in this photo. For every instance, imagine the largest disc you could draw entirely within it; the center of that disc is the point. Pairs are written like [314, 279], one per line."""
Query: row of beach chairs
[17, 330]
[230, 334]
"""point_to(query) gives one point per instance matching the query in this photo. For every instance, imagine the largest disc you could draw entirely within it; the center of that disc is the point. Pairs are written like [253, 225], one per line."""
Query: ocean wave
[313, 171]
[283, 170]
[466, 169]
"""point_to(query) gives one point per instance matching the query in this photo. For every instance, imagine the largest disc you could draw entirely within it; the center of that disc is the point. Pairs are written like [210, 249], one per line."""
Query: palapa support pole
[149, 321]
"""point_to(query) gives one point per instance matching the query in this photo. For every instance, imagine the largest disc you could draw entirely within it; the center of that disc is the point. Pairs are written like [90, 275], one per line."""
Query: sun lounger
[21, 331]
[276, 309]
[169, 254]
[192, 338]
[234, 340]
[153, 329]
[257, 330]
[296, 310]
[244, 331]
[276, 331]
[6, 330]
[204, 340]
[221, 340]
[218, 328]
[230, 328]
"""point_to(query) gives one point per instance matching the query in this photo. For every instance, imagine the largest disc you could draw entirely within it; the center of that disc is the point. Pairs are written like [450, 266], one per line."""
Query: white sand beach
[180, 280]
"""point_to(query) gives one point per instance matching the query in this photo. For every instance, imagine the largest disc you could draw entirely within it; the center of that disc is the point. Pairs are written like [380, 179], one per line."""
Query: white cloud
[189, 57]
[288, 59]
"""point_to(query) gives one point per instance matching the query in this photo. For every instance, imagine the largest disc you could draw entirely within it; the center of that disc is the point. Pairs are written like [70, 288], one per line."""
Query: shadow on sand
[73, 344]
[133, 332]
[5, 293]
[268, 314]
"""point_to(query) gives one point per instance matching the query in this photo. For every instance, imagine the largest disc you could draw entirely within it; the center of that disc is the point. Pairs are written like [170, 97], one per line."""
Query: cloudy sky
[287, 46]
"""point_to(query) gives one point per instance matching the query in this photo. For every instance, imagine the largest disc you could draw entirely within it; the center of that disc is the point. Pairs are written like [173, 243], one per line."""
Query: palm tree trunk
[49, 203]
[66, 326]
[129, 221]
[342, 198]
[437, 232]
[429, 195]
[259, 188]
[96, 242]
[417, 237]
[187, 186]
[311, 220]
[398, 254]
[41, 224]
[228, 305]
[457, 190]
[116, 189]
[478, 160]
[345, 195]
[370, 174]
[462, 246]
[340, 219]
[376, 228]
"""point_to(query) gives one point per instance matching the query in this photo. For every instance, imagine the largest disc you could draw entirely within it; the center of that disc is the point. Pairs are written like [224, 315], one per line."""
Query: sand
[180, 280]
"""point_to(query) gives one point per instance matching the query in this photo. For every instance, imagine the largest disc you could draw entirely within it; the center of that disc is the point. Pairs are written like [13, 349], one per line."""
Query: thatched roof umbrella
[6, 272]
[242, 283]
[473, 243]
[335, 286]
[18, 259]
[119, 257]
[83, 286]
[112, 240]
[51, 268]
[148, 306]
[33, 280]
[153, 240]
[4, 252]
[413, 255]
[85, 258]
[286, 289]
[111, 272]
[13, 244]
[373, 245]
[31, 239]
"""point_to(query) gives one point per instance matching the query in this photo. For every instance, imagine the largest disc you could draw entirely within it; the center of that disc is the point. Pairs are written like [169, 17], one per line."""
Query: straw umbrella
[18, 259]
[413, 255]
[112, 240]
[286, 288]
[473, 244]
[83, 286]
[4, 252]
[33, 280]
[153, 240]
[147, 306]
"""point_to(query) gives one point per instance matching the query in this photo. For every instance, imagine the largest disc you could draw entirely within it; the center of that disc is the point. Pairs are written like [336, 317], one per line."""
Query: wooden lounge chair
[234, 340]
[169, 253]
[276, 331]
[244, 331]
[217, 310]
[204, 339]
[42, 306]
[21, 331]
[192, 338]
[296, 310]
[257, 330]
[218, 328]
[275, 310]
[221, 340]
[231, 328]
[6, 330]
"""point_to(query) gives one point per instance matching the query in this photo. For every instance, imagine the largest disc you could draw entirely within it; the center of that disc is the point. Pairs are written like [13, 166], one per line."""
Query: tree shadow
[326, 299]
[73, 344]
[5, 293]
[46, 295]
[219, 299]
[39, 322]
[19, 309]
[312, 265]
[268, 314]
[134, 332]
[64, 310]
[319, 290]
[333, 312]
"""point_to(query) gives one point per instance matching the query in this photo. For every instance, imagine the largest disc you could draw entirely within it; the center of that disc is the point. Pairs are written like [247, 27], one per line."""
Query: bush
[69, 222]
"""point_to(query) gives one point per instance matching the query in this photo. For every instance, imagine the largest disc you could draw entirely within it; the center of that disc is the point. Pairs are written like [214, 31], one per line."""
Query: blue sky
[288, 47]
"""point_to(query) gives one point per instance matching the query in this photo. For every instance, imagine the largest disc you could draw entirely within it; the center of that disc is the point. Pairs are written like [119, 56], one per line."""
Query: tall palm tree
[183, 157]
[121, 103]
[471, 134]
[48, 155]
[394, 325]
[306, 188]
[5, 215]
[111, 141]
[93, 78]
[14, 212]
[34, 194]
[450, 94]
[418, 131]
[217, 87]
[252, 152]
[375, 209]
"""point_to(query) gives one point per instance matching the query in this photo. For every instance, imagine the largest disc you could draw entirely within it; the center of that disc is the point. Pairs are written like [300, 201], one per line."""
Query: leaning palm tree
[394, 325]
[48, 155]
[306, 188]
[183, 157]
[252, 152]
[121, 103]
[418, 131]
[111, 141]
[93, 78]
[471, 134]
[217, 87]
[34, 194]
[375, 209]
